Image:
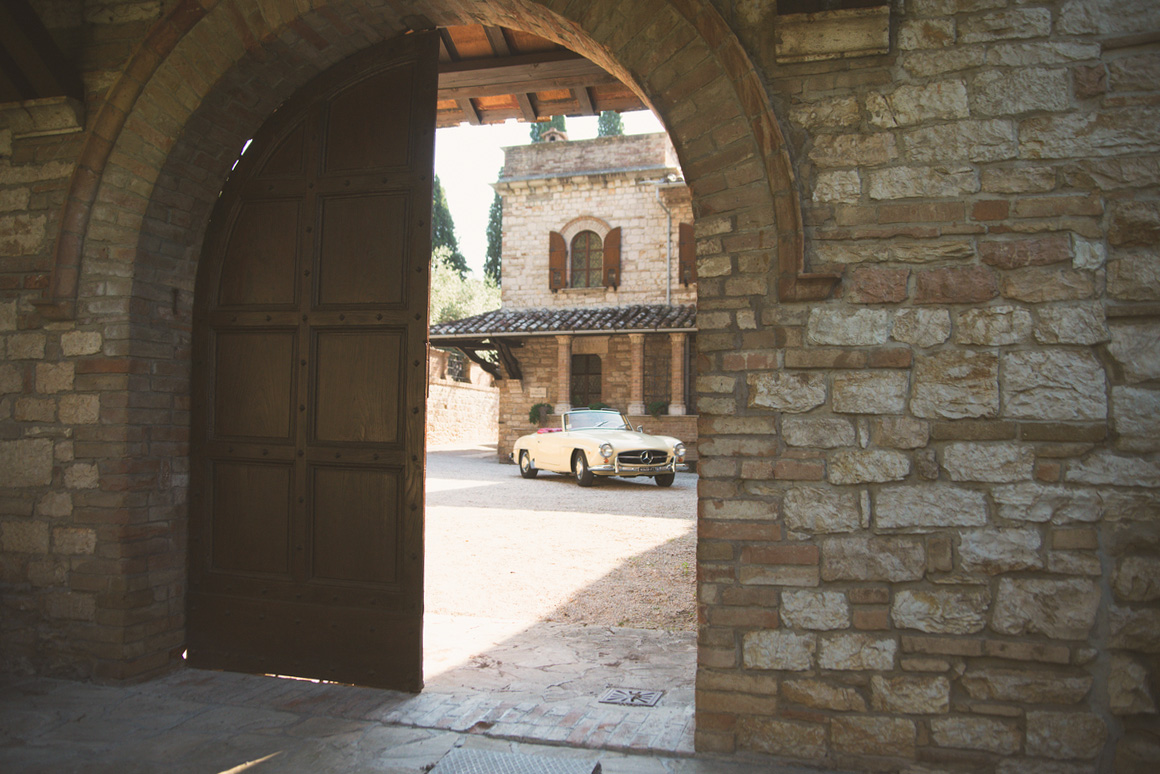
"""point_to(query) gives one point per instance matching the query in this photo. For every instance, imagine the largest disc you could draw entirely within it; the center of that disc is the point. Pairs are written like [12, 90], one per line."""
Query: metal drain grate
[630, 697]
[464, 761]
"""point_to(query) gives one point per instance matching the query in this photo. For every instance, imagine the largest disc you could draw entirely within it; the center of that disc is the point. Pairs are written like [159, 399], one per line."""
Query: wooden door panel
[362, 128]
[341, 499]
[288, 158]
[342, 644]
[251, 529]
[306, 512]
[255, 384]
[259, 265]
[362, 251]
[358, 387]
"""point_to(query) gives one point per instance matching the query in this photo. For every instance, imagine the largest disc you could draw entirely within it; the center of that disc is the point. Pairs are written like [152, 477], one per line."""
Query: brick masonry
[928, 522]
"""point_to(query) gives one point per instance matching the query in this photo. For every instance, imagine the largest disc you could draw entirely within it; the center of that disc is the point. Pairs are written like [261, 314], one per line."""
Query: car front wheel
[584, 476]
[526, 469]
[665, 479]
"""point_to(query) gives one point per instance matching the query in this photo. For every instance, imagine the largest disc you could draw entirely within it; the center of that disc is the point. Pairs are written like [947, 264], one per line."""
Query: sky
[468, 160]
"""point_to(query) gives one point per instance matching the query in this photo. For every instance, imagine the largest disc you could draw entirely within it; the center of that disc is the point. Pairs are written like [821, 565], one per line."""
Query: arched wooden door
[306, 516]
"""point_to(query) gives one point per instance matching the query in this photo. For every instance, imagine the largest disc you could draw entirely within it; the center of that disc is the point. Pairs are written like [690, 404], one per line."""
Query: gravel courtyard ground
[620, 553]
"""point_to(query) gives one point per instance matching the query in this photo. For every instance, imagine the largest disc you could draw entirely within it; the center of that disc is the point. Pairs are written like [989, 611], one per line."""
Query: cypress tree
[443, 230]
[492, 265]
[609, 124]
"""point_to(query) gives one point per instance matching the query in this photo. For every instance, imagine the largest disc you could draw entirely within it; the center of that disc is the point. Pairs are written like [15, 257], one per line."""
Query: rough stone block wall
[460, 412]
[586, 190]
[927, 539]
[651, 154]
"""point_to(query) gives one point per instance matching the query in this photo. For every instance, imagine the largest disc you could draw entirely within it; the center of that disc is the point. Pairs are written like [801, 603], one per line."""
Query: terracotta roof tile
[508, 322]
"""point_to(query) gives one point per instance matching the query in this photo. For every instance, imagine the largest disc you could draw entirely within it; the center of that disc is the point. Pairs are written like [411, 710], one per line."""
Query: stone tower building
[927, 374]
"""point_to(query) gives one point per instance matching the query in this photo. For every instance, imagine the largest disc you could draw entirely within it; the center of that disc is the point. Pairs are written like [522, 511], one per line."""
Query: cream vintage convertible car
[599, 442]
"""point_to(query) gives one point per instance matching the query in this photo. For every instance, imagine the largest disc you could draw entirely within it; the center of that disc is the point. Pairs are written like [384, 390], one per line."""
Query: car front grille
[643, 457]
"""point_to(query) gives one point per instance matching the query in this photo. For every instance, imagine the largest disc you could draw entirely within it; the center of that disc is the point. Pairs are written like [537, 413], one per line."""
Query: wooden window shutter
[612, 259]
[557, 261]
[687, 260]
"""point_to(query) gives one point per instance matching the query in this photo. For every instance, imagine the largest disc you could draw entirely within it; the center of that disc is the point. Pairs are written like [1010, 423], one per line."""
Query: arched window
[587, 260]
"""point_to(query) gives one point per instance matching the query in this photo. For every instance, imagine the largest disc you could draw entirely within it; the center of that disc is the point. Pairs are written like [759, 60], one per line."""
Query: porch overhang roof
[509, 323]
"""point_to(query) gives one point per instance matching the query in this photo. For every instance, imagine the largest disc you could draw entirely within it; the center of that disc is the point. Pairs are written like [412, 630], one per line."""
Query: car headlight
[606, 450]
[679, 451]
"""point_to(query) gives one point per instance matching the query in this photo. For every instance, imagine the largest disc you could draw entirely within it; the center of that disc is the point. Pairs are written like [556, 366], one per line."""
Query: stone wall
[928, 522]
[460, 411]
[650, 156]
[593, 184]
[928, 537]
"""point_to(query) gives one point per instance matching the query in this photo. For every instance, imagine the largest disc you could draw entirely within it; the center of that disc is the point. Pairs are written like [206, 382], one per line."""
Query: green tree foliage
[443, 230]
[492, 264]
[454, 296]
[609, 124]
[538, 128]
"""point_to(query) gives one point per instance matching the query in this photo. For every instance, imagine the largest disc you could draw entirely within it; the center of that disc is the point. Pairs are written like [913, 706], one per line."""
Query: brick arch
[584, 223]
[210, 73]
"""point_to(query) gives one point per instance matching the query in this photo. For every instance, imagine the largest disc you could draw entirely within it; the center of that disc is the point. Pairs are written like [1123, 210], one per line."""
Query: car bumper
[616, 469]
[630, 470]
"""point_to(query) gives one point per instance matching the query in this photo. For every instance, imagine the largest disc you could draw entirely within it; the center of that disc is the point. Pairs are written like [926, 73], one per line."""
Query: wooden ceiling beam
[526, 110]
[512, 75]
[470, 114]
[498, 41]
[585, 101]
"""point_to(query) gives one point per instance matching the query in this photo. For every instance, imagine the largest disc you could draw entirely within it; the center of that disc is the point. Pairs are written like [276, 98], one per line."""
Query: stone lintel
[811, 37]
[43, 117]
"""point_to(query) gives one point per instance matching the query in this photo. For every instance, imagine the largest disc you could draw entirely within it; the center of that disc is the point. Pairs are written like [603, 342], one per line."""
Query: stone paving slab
[194, 722]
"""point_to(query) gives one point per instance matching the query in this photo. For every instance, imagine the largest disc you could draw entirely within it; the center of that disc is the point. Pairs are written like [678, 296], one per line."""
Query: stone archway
[211, 73]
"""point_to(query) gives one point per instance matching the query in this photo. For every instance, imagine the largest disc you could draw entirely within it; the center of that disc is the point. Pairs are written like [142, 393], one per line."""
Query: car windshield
[584, 420]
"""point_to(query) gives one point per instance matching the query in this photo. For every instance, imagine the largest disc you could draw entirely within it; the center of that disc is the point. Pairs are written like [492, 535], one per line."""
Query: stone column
[636, 400]
[677, 369]
[563, 374]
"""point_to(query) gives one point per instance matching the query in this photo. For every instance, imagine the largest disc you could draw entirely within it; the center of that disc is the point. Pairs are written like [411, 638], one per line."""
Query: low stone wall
[457, 411]
[461, 413]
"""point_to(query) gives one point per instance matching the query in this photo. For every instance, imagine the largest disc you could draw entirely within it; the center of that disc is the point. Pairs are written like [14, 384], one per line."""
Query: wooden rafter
[491, 74]
[525, 74]
[508, 358]
[526, 110]
[488, 366]
[501, 346]
[498, 41]
[584, 100]
[499, 45]
[470, 114]
[449, 52]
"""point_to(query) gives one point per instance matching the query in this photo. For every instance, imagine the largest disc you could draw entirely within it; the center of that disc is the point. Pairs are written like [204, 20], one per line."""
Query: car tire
[583, 475]
[665, 479]
[526, 469]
